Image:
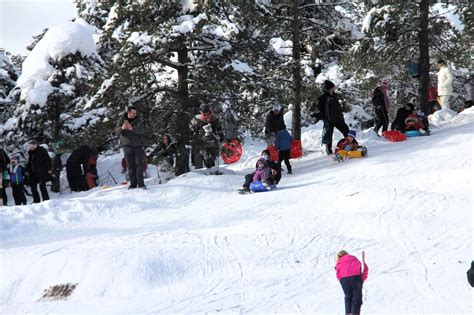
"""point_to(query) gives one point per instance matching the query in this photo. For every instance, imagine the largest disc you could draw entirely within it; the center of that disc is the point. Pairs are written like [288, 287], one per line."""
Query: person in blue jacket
[17, 178]
[283, 143]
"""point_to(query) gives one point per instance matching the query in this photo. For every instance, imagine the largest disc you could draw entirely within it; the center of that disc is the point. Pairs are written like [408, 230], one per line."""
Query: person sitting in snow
[274, 172]
[402, 114]
[262, 173]
[351, 273]
[414, 122]
[348, 147]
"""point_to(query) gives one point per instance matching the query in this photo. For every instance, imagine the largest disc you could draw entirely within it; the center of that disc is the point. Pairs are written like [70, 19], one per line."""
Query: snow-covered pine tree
[56, 78]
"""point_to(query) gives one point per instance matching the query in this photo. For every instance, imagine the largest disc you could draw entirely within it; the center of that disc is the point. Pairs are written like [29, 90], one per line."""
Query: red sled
[273, 153]
[394, 136]
[231, 151]
[296, 149]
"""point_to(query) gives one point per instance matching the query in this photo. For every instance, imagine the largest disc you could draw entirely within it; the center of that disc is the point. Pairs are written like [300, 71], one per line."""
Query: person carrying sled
[273, 177]
[274, 122]
[130, 127]
[381, 103]
[330, 111]
[17, 179]
[351, 273]
[39, 170]
[402, 114]
[206, 117]
[283, 144]
[348, 147]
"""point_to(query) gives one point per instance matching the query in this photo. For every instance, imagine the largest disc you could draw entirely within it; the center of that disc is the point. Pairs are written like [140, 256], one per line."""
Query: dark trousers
[34, 189]
[55, 182]
[381, 120]
[284, 155]
[352, 287]
[18, 194]
[4, 192]
[425, 108]
[77, 182]
[328, 130]
[135, 157]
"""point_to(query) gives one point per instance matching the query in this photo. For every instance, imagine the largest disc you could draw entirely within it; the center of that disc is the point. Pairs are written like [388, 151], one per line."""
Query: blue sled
[259, 187]
[413, 133]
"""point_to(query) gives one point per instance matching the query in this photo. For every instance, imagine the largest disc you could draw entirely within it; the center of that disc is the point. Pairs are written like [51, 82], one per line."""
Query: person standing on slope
[445, 84]
[381, 102]
[330, 111]
[351, 274]
[130, 128]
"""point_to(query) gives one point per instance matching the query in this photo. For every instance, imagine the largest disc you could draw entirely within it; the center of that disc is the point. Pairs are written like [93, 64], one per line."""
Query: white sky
[21, 19]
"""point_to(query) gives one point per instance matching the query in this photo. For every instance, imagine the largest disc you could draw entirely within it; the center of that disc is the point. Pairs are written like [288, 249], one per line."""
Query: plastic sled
[231, 151]
[394, 136]
[258, 187]
[296, 149]
[273, 153]
[413, 133]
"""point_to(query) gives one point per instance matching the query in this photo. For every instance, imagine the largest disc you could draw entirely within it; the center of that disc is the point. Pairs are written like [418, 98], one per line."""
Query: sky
[21, 19]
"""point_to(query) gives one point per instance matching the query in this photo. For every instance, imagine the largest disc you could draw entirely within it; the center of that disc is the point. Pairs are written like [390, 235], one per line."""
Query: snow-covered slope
[195, 245]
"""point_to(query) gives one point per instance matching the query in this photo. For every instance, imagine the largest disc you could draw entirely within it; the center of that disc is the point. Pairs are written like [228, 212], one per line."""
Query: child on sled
[348, 147]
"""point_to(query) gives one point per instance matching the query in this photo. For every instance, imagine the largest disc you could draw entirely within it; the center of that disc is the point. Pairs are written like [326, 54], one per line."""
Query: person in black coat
[402, 114]
[4, 161]
[78, 166]
[274, 122]
[206, 117]
[39, 169]
[130, 127]
[166, 149]
[381, 102]
[330, 111]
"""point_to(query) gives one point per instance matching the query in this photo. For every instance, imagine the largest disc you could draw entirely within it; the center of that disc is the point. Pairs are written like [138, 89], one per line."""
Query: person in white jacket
[445, 83]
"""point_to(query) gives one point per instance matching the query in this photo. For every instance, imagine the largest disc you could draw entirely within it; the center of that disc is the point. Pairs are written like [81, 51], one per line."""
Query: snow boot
[364, 151]
[338, 158]
[267, 185]
[244, 191]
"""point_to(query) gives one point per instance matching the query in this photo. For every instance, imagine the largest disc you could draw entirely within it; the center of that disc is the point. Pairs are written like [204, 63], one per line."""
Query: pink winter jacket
[348, 266]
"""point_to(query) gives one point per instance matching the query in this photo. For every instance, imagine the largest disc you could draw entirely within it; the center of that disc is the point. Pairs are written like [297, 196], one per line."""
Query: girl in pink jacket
[351, 274]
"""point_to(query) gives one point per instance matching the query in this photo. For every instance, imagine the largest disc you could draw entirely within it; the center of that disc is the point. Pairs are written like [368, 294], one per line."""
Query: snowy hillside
[195, 245]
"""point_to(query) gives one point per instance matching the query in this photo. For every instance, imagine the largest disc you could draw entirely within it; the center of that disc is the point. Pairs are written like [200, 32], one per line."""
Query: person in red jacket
[351, 274]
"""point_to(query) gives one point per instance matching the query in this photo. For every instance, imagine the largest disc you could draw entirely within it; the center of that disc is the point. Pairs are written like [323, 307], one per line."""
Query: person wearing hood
[274, 174]
[130, 128]
[330, 111]
[348, 147]
[381, 103]
[17, 178]
[351, 273]
[402, 114]
[445, 83]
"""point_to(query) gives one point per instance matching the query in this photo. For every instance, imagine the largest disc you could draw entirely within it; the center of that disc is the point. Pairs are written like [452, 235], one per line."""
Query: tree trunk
[182, 115]
[296, 121]
[423, 38]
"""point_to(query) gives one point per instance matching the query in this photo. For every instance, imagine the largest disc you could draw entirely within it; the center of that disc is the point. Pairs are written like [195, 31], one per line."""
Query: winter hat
[384, 83]
[276, 107]
[411, 106]
[352, 133]
[16, 158]
[205, 109]
[328, 85]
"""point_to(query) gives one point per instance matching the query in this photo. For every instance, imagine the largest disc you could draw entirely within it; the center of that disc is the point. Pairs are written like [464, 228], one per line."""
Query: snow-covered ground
[195, 245]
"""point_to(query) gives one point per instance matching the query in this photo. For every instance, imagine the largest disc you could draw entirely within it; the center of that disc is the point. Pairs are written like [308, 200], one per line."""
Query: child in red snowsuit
[351, 274]
[348, 147]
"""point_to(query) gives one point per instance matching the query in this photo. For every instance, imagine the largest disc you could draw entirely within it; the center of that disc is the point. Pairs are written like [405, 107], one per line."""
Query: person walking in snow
[283, 144]
[445, 83]
[274, 122]
[351, 273]
[330, 111]
[381, 103]
[17, 178]
[130, 127]
[39, 169]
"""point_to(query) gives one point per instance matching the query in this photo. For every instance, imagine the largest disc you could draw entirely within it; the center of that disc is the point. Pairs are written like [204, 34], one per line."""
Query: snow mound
[58, 42]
